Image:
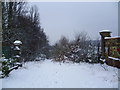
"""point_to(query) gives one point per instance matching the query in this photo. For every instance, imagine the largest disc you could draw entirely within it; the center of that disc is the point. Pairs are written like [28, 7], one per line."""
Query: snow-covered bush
[60, 49]
[81, 49]
[40, 57]
[7, 66]
[4, 67]
[92, 55]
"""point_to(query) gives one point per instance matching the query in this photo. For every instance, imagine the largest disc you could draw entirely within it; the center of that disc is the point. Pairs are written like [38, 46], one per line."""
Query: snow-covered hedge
[7, 65]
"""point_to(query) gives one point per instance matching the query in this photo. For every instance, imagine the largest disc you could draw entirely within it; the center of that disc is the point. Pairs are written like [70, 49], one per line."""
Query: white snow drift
[49, 74]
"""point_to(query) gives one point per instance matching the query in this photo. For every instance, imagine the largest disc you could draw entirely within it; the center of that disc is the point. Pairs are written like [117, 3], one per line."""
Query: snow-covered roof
[17, 42]
[105, 31]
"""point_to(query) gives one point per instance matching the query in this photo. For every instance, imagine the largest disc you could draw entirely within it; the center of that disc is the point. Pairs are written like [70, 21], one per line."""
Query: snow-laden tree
[81, 49]
[21, 23]
[60, 49]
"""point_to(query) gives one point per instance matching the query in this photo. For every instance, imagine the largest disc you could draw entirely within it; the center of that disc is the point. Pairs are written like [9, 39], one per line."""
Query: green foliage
[7, 66]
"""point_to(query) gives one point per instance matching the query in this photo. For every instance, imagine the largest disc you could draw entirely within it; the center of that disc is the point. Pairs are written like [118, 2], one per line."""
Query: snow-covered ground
[49, 74]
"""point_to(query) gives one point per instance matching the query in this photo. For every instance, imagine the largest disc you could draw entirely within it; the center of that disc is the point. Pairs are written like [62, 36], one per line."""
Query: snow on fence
[112, 52]
[110, 49]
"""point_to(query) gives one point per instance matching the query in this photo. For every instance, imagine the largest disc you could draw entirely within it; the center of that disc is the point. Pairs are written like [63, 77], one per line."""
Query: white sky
[68, 18]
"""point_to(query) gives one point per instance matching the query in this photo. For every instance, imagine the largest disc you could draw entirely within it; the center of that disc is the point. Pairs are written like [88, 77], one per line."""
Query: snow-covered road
[49, 74]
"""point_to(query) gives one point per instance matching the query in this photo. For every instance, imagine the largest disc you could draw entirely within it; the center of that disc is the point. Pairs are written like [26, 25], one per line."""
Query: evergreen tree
[20, 23]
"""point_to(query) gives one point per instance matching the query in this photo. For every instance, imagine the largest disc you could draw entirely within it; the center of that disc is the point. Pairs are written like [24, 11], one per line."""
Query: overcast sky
[68, 18]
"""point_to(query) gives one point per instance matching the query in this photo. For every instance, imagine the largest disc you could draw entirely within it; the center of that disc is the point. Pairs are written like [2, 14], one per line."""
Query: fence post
[104, 33]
